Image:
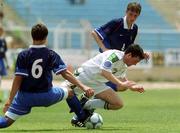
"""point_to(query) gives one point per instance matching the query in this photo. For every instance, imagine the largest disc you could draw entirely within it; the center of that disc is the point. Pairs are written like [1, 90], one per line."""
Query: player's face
[131, 16]
[131, 60]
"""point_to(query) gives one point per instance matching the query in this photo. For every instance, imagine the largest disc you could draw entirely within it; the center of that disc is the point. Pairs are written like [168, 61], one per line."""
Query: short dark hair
[135, 50]
[39, 32]
[134, 7]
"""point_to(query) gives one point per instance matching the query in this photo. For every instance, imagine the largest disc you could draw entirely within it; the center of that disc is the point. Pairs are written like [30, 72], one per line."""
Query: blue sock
[3, 122]
[76, 107]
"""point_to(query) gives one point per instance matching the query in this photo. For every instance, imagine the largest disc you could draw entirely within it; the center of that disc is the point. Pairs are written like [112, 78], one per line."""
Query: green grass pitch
[155, 111]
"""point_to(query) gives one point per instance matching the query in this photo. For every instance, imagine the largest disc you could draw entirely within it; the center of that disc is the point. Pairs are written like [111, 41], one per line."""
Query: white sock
[94, 103]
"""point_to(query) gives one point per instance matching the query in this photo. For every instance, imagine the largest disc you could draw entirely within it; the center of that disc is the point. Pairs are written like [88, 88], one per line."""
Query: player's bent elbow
[93, 33]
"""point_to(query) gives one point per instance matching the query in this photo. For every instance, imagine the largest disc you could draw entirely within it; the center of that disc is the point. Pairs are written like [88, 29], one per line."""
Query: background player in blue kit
[32, 85]
[3, 50]
[119, 33]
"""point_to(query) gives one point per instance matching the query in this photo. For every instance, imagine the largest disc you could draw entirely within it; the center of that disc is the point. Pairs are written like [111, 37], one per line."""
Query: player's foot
[77, 123]
[81, 123]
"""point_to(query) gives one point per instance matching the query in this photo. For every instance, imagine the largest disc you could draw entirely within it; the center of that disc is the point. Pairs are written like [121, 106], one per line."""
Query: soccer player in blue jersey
[119, 33]
[32, 85]
[3, 50]
[3, 60]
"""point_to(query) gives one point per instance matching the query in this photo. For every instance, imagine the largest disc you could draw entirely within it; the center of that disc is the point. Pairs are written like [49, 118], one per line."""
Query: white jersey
[111, 61]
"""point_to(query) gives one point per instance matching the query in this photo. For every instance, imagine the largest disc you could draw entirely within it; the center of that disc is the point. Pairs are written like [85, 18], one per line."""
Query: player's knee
[5, 122]
[119, 105]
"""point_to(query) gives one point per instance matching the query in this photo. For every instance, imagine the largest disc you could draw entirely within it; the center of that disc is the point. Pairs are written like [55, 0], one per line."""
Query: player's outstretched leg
[107, 99]
[5, 121]
[76, 107]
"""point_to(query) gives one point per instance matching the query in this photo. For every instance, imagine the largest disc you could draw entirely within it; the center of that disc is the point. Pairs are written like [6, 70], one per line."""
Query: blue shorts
[112, 85]
[3, 71]
[24, 101]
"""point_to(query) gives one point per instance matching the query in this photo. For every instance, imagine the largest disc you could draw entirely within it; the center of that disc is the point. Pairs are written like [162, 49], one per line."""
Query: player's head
[39, 33]
[133, 55]
[133, 11]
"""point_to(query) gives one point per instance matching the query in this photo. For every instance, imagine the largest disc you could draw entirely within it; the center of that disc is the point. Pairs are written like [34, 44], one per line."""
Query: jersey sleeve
[108, 62]
[21, 65]
[58, 64]
[106, 29]
[107, 66]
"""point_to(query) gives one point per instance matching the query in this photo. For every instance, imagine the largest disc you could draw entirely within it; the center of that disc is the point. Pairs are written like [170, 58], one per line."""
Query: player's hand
[146, 56]
[127, 84]
[6, 106]
[138, 88]
[89, 91]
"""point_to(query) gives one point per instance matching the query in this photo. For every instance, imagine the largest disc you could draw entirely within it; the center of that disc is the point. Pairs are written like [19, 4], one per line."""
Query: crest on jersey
[113, 58]
[107, 64]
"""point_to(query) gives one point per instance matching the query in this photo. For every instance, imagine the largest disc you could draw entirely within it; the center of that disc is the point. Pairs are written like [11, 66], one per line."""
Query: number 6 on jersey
[37, 69]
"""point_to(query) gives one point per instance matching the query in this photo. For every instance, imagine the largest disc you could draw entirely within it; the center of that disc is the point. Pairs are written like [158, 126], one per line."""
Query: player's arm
[59, 67]
[6, 61]
[15, 87]
[99, 41]
[69, 76]
[109, 76]
[122, 88]
[101, 33]
[20, 72]
[135, 87]
[5, 58]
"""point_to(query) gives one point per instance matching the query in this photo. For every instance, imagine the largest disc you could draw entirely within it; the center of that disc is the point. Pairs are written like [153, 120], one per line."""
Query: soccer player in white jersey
[111, 66]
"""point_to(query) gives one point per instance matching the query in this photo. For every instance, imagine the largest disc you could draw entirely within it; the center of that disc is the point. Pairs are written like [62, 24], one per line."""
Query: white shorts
[98, 87]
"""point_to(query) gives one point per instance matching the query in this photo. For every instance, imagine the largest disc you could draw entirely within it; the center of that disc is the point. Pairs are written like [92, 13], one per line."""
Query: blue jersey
[36, 65]
[3, 47]
[116, 35]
